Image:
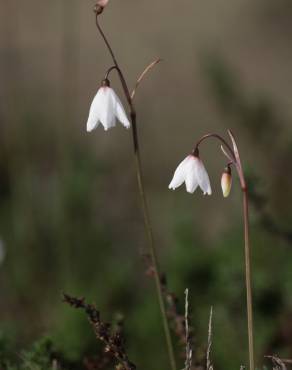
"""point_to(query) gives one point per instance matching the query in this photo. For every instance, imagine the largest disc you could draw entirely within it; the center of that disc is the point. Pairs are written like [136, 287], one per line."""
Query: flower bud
[226, 181]
[97, 9]
[99, 6]
[102, 3]
[105, 83]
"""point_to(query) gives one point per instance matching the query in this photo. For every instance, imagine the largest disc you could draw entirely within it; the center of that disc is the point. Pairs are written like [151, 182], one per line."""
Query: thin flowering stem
[234, 157]
[143, 75]
[227, 155]
[189, 351]
[144, 204]
[109, 71]
[220, 138]
[209, 365]
[248, 278]
[116, 66]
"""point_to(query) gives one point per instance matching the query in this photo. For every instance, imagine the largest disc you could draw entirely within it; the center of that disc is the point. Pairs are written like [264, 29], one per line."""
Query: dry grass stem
[143, 75]
[209, 365]
[278, 363]
[189, 351]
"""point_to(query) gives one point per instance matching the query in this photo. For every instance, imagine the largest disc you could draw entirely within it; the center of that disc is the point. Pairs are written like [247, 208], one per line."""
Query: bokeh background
[70, 218]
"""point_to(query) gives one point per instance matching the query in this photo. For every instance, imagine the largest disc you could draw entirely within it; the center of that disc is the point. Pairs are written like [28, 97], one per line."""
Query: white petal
[102, 3]
[179, 174]
[94, 112]
[122, 117]
[119, 110]
[202, 177]
[107, 112]
[191, 175]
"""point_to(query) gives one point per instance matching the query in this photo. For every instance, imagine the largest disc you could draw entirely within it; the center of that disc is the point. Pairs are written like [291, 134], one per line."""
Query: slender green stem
[248, 279]
[144, 205]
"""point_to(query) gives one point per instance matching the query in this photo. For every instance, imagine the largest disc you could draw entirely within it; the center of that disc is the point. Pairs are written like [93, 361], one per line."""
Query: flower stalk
[233, 157]
[152, 250]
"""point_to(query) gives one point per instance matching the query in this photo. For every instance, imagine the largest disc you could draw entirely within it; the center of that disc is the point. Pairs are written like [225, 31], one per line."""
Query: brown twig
[286, 360]
[209, 365]
[55, 365]
[175, 317]
[278, 363]
[143, 75]
[114, 342]
[189, 350]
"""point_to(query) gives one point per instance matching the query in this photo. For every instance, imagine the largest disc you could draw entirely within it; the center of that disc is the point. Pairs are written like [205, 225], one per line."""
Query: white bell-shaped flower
[106, 108]
[191, 171]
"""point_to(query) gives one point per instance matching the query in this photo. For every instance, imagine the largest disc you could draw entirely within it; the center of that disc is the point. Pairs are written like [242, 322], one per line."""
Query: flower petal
[202, 177]
[119, 110]
[179, 174]
[107, 112]
[94, 112]
[191, 175]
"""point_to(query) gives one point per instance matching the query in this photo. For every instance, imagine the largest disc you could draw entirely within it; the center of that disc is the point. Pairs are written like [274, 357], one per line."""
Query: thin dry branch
[114, 342]
[55, 365]
[286, 361]
[209, 365]
[176, 319]
[278, 363]
[189, 351]
[143, 75]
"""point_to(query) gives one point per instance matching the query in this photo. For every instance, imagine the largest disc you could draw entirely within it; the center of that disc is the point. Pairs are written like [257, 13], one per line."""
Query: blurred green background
[70, 218]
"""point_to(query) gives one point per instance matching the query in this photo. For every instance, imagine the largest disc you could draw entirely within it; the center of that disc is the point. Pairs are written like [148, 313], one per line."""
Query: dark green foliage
[41, 356]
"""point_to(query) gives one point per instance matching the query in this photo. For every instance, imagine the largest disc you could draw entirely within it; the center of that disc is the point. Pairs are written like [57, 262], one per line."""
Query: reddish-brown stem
[234, 155]
[248, 278]
[218, 137]
[142, 76]
[144, 204]
[116, 65]
[109, 71]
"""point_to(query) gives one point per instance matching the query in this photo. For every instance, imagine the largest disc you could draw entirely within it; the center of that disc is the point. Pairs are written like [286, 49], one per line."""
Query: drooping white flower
[226, 181]
[106, 108]
[191, 171]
